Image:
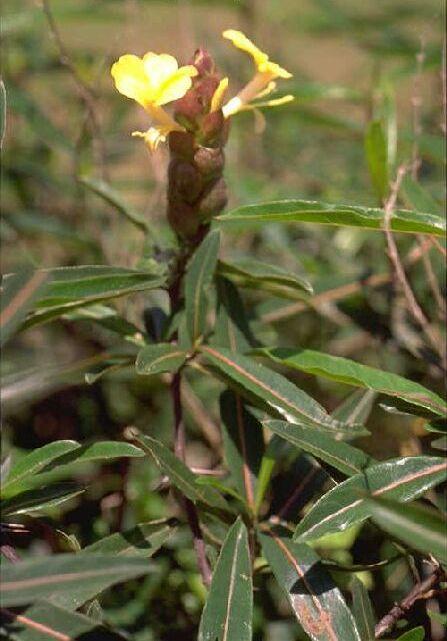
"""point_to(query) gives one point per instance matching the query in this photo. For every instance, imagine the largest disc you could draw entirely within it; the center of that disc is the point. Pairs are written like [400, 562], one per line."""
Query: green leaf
[24, 105]
[198, 279]
[417, 197]
[440, 443]
[294, 486]
[142, 540]
[159, 358]
[243, 444]
[44, 620]
[3, 109]
[420, 527]
[31, 580]
[438, 617]
[231, 329]
[347, 371]
[254, 380]
[40, 499]
[305, 91]
[71, 287]
[35, 461]
[228, 611]
[111, 197]
[346, 458]
[268, 462]
[114, 364]
[356, 407]
[416, 634]
[362, 610]
[377, 158]
[19, 292]
[255, 274]
[32, 223]
[99, 451]
[401, 479]
[316, 602]
[107, 318]
[177, 472]
[304, 211]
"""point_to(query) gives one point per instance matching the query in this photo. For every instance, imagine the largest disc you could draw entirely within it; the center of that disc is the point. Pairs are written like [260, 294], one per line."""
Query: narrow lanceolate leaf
[401, 479]
[18, 293]
[228, 611]
[416, 634]
[421, 528]
[350, 372]
[45, 621]
[377, 158]
[304, 211]
[253, 380]
[317, 603]
[68, 288]
[159, 358]
[2, 112]
[231, 329]
[346, 458]
[177, 472]
[40, 499]
[36, 460]
[99, 451]
[362, 610]
[31, 580]
[294, 487]
[243, 445]
[255, 274]
[356, 408]
[417, 196]
[142, 541]
[111, 197]
[199, 276]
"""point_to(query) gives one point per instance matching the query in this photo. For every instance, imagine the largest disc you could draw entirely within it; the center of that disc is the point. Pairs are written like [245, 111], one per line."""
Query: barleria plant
[278, 516]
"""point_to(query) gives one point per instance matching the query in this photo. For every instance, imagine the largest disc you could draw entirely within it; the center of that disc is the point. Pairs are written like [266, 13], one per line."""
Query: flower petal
[218, 96]
[175, 86]
[130, 78]
[158, 68]
[241, 41]
[274, 70]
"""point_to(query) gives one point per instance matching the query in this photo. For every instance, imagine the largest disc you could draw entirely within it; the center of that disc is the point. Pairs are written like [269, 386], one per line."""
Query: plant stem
[419, 591]
[180, 443]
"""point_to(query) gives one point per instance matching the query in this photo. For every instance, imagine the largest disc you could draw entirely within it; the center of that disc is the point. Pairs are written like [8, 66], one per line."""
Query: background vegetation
[66, 128]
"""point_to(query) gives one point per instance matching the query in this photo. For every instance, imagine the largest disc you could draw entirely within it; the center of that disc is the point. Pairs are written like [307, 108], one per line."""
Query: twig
[195, 406]
[422, 590]
[442, 250]
[399, 271]
[84, 90]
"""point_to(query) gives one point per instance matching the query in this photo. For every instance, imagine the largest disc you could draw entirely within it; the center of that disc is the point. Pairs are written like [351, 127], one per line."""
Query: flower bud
[209, 160]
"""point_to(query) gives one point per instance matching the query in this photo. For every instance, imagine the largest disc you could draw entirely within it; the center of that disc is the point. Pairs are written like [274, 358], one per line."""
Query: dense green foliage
[308, 368]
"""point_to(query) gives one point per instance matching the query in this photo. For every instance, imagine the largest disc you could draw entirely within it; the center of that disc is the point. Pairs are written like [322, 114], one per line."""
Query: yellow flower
[263, 81]
[153, 81]
[263, 64]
